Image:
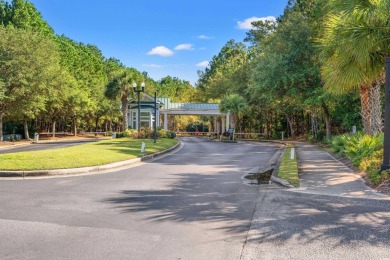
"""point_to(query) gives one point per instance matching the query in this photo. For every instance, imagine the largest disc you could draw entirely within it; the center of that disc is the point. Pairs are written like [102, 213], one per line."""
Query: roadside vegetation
[91, 154]
[364, 151]
[288, 168]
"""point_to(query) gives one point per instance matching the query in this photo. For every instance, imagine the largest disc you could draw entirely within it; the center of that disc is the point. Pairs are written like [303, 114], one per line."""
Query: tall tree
[354, 44]
[234, 104]
[218, 78]
[178, 90]
[25, 59]
[23, 14]
[285, 69]
[121, 86]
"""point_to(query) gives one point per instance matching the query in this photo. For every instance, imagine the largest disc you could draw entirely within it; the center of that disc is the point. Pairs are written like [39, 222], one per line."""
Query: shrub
[170, 134]
[364, 151]
[161, 133]
[358, 149]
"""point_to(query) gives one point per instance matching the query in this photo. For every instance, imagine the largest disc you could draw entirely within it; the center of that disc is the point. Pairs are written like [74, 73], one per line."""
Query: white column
[165, 121]
[223, 124]
[227, 120]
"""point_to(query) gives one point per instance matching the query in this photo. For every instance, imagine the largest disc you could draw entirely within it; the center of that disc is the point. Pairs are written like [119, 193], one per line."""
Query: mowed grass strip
[84, 155]
[288, 169]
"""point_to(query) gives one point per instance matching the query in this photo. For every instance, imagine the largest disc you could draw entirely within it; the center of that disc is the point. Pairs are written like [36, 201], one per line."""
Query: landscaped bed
[91, 154]
[288, 169]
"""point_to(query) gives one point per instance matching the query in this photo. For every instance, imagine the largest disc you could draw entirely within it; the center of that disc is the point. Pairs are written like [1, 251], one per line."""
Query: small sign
[143, 146]
[292, 153]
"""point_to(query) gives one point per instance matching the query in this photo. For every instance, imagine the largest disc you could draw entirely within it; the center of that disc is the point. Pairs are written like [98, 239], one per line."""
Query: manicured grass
[92, 154]
[288, 169]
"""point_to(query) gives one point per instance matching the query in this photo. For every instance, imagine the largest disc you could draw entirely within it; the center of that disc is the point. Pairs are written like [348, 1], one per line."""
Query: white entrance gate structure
[199, 109]
[165, 108]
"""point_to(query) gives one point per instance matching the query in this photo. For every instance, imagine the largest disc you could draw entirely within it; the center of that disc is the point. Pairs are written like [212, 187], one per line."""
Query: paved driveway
[189, 205]
[192, 205]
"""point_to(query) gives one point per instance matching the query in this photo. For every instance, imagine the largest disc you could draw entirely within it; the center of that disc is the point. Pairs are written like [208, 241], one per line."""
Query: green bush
[170, 134]
[134, 134]
[364, 147]
[364, 151]
[161, 133]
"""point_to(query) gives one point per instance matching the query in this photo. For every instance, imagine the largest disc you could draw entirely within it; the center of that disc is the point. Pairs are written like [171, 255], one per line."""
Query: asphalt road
[188, 205]
[45, 145]
[300, 226]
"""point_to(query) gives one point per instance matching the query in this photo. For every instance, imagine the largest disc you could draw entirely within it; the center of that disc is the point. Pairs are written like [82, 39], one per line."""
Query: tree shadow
[309, 218]
[208, 198]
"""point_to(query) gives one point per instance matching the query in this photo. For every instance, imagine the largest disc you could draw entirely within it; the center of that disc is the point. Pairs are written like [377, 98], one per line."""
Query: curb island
[89, 169]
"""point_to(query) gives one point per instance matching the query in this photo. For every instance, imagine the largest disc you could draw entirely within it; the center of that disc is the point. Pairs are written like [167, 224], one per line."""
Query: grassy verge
[91, 154]
[288, 169]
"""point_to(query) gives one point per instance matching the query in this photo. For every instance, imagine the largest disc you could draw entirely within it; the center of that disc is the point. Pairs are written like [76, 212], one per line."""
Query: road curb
[275, 162]
[274, 176]
[85, 169]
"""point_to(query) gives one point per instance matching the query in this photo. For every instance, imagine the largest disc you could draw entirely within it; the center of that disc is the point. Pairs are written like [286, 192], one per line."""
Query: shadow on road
[194, 198]
[312, 218]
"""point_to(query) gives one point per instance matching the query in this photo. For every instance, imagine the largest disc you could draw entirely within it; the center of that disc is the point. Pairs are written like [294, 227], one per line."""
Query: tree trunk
[106, 125]
[125, 111]
[290, 121]
[1, 125]
[96, 125]
[233, 121]
[54, 128]
[74, 119]
[376, 107]
[327, 119]
[25, 127]
[366, 108]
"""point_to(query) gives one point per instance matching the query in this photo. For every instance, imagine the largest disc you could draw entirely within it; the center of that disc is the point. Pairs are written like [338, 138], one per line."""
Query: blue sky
[168, 37]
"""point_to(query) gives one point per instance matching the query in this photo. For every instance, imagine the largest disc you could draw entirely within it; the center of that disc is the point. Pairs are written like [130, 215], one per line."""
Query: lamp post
[386, 142]
[138, 91]
[155, 118]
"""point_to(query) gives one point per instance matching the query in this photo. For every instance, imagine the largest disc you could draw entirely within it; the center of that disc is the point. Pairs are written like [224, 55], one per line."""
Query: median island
[91, 154]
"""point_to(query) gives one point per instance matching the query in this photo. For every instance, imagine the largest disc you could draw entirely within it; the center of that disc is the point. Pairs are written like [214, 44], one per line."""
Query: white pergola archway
[198, 109]
[165, 107]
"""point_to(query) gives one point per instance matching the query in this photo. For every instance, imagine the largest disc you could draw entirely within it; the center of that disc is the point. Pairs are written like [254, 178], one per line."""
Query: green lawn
[288, 169]
[91, 154]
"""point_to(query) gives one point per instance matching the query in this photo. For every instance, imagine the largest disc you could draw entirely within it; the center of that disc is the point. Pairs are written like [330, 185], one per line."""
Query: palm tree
[235, 104]
[353, 46]
[121, 87]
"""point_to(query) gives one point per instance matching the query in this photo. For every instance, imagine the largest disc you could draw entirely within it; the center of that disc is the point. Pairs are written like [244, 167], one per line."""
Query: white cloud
[161, 51]
[202, 64]
[184, 46]
[155, 66]
[247, 23]
[204, 37]
[202, 48]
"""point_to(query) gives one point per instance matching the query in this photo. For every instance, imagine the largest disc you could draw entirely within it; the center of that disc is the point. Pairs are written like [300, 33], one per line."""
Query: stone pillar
[223, 124]
[215, 124]
[165, 121]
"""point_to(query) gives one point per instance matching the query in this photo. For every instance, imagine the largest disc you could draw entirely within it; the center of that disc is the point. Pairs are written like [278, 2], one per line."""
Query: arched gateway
[165, 108]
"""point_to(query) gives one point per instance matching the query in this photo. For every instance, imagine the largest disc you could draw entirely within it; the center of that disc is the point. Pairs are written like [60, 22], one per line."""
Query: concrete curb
[6, 147]
[275, 162]
[274, 176]
[85, 140]
[85, 169]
